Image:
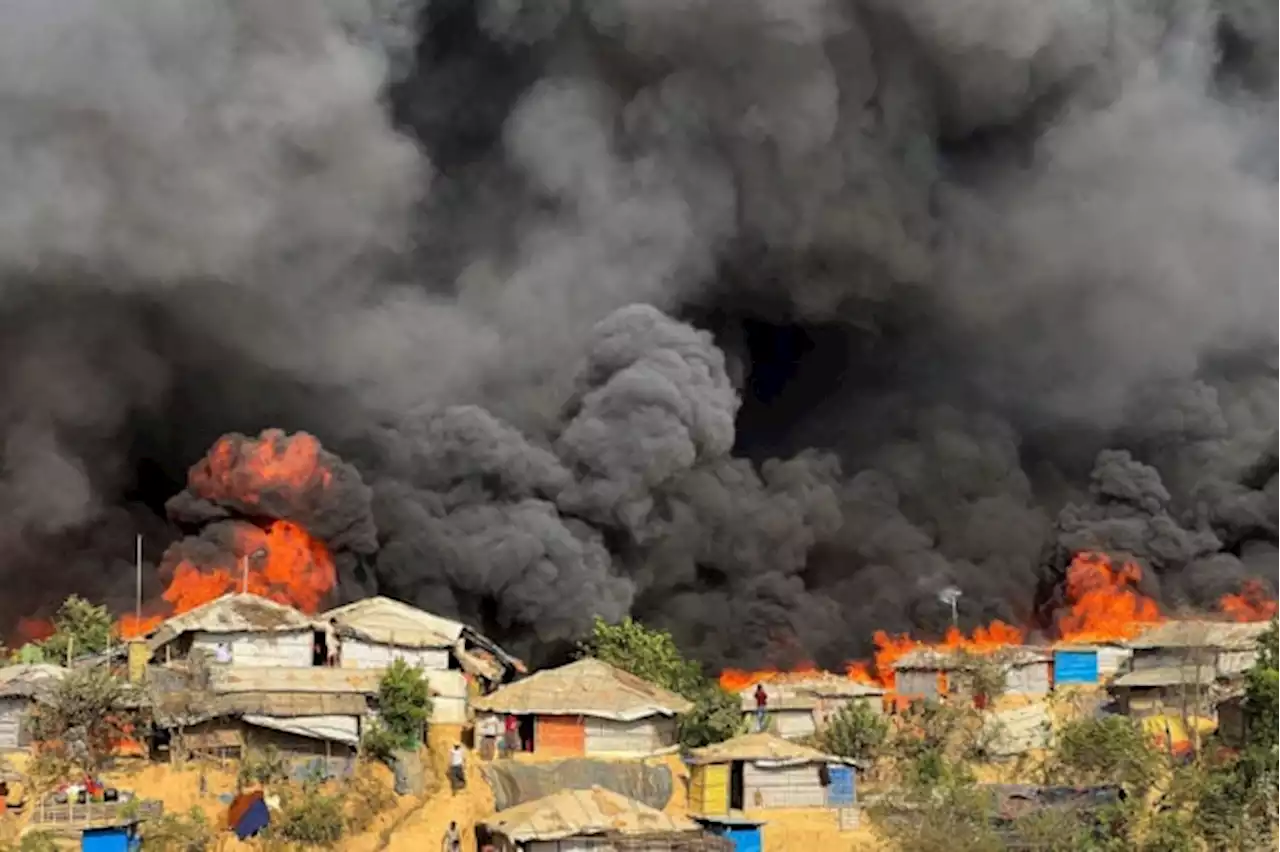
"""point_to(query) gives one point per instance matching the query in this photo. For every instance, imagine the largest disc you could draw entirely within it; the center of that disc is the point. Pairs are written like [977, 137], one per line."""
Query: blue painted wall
[107, 840]
[1075, 667]
[745, 838]
[841, 793]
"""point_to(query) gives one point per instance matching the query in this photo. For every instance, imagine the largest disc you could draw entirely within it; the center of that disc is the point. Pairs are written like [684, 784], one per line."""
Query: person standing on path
[457, 771]
[452, 839]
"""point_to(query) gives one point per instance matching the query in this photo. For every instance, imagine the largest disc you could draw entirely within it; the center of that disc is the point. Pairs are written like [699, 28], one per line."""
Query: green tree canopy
[654, 656]
[404, 702]
[80, 626]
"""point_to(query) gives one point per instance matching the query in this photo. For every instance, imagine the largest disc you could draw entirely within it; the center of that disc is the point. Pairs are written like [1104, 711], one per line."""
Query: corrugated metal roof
[932, 659]
[231, 614]
[338, 729]
[588, 687]
[1201, 634]
[392, 622]
[1167, 676]
[230, 679]
[577, 813]
[761, 748]
[28, 681]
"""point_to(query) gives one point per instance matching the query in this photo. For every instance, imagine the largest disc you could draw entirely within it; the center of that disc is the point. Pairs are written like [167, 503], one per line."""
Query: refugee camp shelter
[1186, 667]
[21, 686]
[377, 630]
[798, 708]
[1088, 665]
[595, 820]
[256, 631]
[588, 708]
[765, 771]
[928, 673]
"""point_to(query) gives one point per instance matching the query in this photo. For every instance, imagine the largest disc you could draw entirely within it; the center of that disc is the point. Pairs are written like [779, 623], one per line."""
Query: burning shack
[799, 708]
[932, 674]
[587, 707]
[1186, 667]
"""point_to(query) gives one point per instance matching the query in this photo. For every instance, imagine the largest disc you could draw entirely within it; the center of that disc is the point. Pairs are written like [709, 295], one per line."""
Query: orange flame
[1252, 604]
[293, 568]
[1104, 602]
[239, 470]
[282, 562]
[34, 629]
[736, 680]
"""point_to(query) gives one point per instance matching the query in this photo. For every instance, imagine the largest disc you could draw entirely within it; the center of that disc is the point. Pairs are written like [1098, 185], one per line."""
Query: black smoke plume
[763, 321]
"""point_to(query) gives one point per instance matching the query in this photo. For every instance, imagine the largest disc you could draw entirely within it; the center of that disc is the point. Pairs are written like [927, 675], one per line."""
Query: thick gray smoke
[979, 284]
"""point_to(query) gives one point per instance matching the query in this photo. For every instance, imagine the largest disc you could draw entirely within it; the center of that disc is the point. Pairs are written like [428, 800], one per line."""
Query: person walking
[452, 839]
[457, 768]
[762, 706]
[512, 736]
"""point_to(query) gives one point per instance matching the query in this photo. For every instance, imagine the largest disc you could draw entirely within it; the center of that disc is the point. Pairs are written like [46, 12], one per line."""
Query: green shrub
[175, 832]
[311, 818]
[267, 766]
[856, 731]
[404, 703]
[1107, 750]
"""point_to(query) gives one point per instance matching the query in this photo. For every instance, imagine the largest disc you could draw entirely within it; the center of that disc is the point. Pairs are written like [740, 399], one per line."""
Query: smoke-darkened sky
[763, 321]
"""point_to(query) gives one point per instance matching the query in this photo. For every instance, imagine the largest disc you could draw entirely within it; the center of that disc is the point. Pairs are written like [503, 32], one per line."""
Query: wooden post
[137, 607]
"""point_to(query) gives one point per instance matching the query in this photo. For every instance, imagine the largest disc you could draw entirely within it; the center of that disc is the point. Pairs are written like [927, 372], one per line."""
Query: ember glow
[34, 629]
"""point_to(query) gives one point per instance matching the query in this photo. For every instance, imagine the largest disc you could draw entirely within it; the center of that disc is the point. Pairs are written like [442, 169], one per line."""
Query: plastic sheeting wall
[913, 683]
[11, 710]
[448, 697]
[642, 736]
[791, 724]
[366, 655]
[788, 787]
[1018, 730]
[514, 783]
[259, 649]
[1031, 679]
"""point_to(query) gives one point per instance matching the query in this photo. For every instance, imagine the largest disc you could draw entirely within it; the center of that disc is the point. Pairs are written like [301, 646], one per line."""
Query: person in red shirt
[511, 736]
[762, 706]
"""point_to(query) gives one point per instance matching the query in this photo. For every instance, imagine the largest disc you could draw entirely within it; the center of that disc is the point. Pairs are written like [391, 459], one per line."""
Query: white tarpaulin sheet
[338, 729]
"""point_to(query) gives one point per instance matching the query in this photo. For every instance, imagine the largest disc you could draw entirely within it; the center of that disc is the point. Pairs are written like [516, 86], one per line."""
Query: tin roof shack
[1088, 665]
[595, 820]
[766, 771]
[798, 708]
[588, 708]
[930, 674]
[1186, 667]
[257, 631]
[377, 630]
[21, 687]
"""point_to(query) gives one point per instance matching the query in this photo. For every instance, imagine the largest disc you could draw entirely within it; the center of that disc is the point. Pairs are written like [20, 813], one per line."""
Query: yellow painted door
[709, 789]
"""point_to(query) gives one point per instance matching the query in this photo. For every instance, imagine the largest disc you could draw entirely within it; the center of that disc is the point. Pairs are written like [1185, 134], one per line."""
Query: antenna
[137, 607]
[950, 596]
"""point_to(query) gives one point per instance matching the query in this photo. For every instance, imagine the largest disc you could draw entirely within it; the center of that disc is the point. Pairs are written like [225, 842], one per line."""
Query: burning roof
[233, 613]
[1189, 633]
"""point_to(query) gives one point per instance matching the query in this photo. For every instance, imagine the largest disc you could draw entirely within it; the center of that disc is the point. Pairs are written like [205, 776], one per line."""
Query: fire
[1104, 602]
[282, 563]
[34, 629]
[736, 680]
[241, 470]
[1252, 604]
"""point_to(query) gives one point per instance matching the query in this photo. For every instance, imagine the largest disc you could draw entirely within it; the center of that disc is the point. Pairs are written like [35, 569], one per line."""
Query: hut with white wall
[588, 708]
[798, 708]
[375, 631]
[255, 631]
[765, 771]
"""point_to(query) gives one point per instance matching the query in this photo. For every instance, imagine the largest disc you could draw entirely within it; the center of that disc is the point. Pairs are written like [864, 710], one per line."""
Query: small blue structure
[843, 790]
[746, 835]
[117, 838]
[1075, 667]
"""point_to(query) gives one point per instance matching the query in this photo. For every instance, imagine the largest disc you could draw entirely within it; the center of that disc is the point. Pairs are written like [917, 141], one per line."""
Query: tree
[654, 656]
[404, 703]
[856, 732]
[79, 627]
[1107, 750]
[85, 715]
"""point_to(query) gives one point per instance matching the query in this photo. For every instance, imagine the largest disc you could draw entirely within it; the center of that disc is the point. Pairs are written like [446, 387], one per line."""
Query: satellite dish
[950, 595]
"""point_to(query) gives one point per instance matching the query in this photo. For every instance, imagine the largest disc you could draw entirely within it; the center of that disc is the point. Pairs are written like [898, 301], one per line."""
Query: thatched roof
[584, 813]
[763, 748]
[232, 614]
[588, 687]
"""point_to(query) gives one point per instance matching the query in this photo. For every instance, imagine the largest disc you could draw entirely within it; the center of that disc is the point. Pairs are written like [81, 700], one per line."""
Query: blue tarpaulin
[255, 818]
[1075, 667]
